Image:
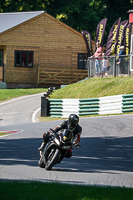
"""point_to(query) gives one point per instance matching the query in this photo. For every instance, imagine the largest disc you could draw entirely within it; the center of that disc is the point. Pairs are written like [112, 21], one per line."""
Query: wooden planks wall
[1, 71]
[58, 64]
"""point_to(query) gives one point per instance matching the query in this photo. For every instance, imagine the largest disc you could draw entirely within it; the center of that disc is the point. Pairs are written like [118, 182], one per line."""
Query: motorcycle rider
[72, 124]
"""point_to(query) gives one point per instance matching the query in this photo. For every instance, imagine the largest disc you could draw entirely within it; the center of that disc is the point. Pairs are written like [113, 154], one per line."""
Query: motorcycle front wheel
[52, 157]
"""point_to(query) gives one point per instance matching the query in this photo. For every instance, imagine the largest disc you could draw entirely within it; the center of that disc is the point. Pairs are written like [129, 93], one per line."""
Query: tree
[21, 5]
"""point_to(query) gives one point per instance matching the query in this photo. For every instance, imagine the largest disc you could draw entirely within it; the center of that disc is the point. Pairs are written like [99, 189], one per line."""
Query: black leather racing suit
[65, 125]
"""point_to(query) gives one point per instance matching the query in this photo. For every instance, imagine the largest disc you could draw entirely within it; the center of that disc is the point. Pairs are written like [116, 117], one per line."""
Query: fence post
[115, 66]
[129, 72]
[88, 65]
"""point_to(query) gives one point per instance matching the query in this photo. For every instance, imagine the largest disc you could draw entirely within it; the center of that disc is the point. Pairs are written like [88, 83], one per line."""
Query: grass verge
[6, 94]
[56, 191]
[46, 119]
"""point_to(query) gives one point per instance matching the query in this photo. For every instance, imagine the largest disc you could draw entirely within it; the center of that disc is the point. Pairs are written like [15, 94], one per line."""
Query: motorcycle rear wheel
[41, 162]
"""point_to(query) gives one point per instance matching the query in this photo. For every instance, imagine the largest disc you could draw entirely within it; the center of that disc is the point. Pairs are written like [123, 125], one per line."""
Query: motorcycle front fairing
[67, 136]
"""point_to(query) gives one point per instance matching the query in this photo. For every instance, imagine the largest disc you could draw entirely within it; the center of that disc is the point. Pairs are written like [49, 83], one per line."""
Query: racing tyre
[52, 158]
[41, 163]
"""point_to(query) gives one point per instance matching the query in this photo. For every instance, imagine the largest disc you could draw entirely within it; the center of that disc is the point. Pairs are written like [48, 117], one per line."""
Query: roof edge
[14, 27]
[15, 13]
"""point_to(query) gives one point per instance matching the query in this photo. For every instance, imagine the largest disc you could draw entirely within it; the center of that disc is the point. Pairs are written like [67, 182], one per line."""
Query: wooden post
[37, 82]
[88, 66]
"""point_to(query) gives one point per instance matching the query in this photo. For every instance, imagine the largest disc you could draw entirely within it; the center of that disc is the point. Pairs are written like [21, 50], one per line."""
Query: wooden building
[36, 49]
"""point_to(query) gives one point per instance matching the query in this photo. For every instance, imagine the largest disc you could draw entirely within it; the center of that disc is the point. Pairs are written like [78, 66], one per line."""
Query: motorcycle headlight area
[57, 141]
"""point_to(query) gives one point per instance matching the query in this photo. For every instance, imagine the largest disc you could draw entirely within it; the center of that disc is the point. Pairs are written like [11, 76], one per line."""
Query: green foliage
[79, 14]
[96, 88]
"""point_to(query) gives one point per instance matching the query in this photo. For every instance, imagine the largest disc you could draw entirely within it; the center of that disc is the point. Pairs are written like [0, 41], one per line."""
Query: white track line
[34, 115]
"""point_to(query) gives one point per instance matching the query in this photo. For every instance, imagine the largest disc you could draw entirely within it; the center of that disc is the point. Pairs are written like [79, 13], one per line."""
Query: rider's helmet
[73, 120]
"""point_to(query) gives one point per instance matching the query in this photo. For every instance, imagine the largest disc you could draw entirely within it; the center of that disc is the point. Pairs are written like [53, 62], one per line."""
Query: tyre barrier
[91, 106]
[45, 102]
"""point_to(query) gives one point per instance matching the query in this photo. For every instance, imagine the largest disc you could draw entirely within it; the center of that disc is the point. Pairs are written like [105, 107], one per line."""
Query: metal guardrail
[91, 106]
[118, 66]
[63, 107]
[127, 103]
[88, 106]
[55, 107]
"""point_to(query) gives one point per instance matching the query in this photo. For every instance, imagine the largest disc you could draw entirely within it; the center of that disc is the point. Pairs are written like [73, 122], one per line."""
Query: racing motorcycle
[56, 149]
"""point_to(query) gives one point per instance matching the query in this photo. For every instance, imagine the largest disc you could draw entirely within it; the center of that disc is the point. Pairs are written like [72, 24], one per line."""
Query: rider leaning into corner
[72, 124]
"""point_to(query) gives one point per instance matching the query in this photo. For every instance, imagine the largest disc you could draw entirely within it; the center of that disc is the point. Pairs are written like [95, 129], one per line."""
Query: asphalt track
[105, 157]
[19, 110]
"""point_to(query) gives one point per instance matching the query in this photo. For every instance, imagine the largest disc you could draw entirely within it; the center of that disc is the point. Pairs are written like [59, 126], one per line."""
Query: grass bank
[54, 191]
[6, 94]
[91, 88]
[99, 87]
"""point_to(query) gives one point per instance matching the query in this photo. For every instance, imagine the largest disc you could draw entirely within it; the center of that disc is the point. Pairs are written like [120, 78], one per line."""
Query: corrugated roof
[10, 20]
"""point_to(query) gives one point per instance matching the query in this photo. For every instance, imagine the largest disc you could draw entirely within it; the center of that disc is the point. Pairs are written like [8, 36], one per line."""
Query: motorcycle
[56, 149]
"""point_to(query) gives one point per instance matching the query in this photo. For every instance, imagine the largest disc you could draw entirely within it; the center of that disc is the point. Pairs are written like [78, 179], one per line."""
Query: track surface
[105, 158]
[19, 110]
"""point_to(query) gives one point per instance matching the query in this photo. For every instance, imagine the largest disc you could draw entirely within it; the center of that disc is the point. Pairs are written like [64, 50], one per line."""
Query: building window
[24, 59]
[82, 60]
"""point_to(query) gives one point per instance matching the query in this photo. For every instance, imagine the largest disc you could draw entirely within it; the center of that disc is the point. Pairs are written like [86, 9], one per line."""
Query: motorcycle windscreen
[67, 135]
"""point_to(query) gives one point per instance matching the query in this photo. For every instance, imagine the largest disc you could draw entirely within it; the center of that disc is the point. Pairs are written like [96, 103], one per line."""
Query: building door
[1, 66]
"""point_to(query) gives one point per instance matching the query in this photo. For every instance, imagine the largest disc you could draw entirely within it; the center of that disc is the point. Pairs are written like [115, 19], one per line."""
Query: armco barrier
[88, 106]
[110, 105]
[127, 103]
[55, 107]
[92, 106]
[63, 107]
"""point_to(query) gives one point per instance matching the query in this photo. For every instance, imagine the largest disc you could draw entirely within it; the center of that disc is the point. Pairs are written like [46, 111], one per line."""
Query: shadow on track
[97, 154]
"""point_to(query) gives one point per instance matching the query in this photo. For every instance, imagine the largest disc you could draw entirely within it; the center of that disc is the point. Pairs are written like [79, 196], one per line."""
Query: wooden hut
[38, 50]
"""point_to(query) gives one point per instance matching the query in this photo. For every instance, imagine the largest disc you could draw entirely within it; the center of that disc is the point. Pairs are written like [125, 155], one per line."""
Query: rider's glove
[73, 145]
